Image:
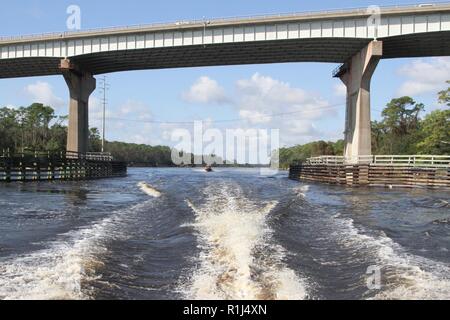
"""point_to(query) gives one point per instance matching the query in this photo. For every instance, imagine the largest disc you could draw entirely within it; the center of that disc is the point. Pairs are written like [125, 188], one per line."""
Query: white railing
[94, 156]
[386, 160]
[416, 160]
[195, 22]
[329, 160]
[99, 156]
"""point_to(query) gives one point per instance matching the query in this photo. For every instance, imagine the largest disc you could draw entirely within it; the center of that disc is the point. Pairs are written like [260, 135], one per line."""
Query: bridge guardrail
[44, 36]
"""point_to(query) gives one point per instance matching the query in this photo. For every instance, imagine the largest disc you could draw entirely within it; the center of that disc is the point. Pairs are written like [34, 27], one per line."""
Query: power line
[330, 107]
[103, 89]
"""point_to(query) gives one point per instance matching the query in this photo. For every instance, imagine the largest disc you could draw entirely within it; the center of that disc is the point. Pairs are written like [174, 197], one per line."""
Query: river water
[231, 234]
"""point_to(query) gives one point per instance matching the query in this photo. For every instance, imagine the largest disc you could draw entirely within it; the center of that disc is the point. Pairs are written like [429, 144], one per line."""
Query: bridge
[347, 37]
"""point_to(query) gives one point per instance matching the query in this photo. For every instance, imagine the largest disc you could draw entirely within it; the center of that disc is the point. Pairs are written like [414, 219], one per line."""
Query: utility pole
[103, 90]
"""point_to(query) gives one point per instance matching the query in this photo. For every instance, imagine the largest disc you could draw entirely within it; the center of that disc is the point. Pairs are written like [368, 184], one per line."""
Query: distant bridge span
[334, 36]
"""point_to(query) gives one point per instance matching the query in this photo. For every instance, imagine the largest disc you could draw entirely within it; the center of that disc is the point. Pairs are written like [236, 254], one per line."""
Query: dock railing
[66, 165]
[93, 156]
[385, 160]
[327, 160]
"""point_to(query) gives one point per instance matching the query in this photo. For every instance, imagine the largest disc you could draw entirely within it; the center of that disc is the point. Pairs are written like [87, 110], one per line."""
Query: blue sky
[173, 95]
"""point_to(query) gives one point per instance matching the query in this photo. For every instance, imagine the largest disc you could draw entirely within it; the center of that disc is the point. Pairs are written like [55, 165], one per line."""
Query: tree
[8, 128]
[322, 148]
[401, 115]
[95, 141]
[400, 128]
[338, 147]
[444, 96]
[378, 136]
[37, 118]
[436, 130]
[300, 153]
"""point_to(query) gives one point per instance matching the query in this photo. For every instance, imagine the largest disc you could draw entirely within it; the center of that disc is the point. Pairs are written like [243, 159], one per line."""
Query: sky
[139, 101]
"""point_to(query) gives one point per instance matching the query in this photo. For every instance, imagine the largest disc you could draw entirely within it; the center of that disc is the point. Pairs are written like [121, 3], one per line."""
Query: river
[230, 234]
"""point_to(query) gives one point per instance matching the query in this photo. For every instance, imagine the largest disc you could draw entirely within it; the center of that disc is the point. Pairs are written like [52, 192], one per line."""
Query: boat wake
[238, 259]
[404, 276]
[60, 271]
[149, 190]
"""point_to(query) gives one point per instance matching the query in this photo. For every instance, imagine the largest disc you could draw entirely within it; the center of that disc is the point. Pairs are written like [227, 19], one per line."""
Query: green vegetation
[140, 154]
[29, 129]
[400, 132]
[444, 96]
[400, 128]
[314, 149]
[37, 128]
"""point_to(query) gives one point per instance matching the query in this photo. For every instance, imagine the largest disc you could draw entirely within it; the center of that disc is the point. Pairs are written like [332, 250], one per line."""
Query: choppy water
[231, 234]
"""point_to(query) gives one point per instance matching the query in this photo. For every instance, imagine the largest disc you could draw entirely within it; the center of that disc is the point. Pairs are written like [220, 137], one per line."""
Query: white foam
[302, 190]
[58, 272]
[231, 228]
[149, 190]
[405, 276]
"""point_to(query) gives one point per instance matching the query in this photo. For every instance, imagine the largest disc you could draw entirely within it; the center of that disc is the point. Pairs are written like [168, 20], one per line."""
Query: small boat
[208, 169]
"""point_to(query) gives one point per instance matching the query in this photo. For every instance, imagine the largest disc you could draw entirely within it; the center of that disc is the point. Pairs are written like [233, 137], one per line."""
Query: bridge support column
[81, 85]
[357, 77]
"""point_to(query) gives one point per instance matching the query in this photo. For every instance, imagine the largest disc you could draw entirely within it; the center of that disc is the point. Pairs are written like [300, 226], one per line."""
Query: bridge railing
[132, 28]
[385, 160]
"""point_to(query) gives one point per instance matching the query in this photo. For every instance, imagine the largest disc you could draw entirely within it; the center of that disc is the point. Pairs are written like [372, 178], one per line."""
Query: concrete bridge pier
[81, 85]
[356, 74]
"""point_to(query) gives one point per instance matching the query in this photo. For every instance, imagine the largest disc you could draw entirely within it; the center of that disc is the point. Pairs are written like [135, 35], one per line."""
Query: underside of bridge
[360, 57]
[331, 50]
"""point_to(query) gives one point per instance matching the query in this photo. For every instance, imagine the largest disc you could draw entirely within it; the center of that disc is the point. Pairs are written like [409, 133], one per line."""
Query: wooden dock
[421, 174]
[48, 166]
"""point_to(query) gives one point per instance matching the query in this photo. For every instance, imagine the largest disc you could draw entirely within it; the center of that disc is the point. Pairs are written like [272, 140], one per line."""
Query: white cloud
[255, 117]
[206, 91]
[118, 126]
[136, 110]
[129, 110]
[255, 99]
[424, 76]
[260, 97]
[42, 92]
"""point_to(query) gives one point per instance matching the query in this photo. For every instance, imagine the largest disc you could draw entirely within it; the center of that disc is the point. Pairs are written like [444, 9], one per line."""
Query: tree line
[401, 131]
[38, 128]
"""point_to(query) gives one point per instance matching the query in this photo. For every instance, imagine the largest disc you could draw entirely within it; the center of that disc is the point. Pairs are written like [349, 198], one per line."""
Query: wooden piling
[373, 175]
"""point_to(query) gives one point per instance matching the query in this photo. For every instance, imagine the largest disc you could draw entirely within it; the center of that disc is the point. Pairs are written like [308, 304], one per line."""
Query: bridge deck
[335, 36]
